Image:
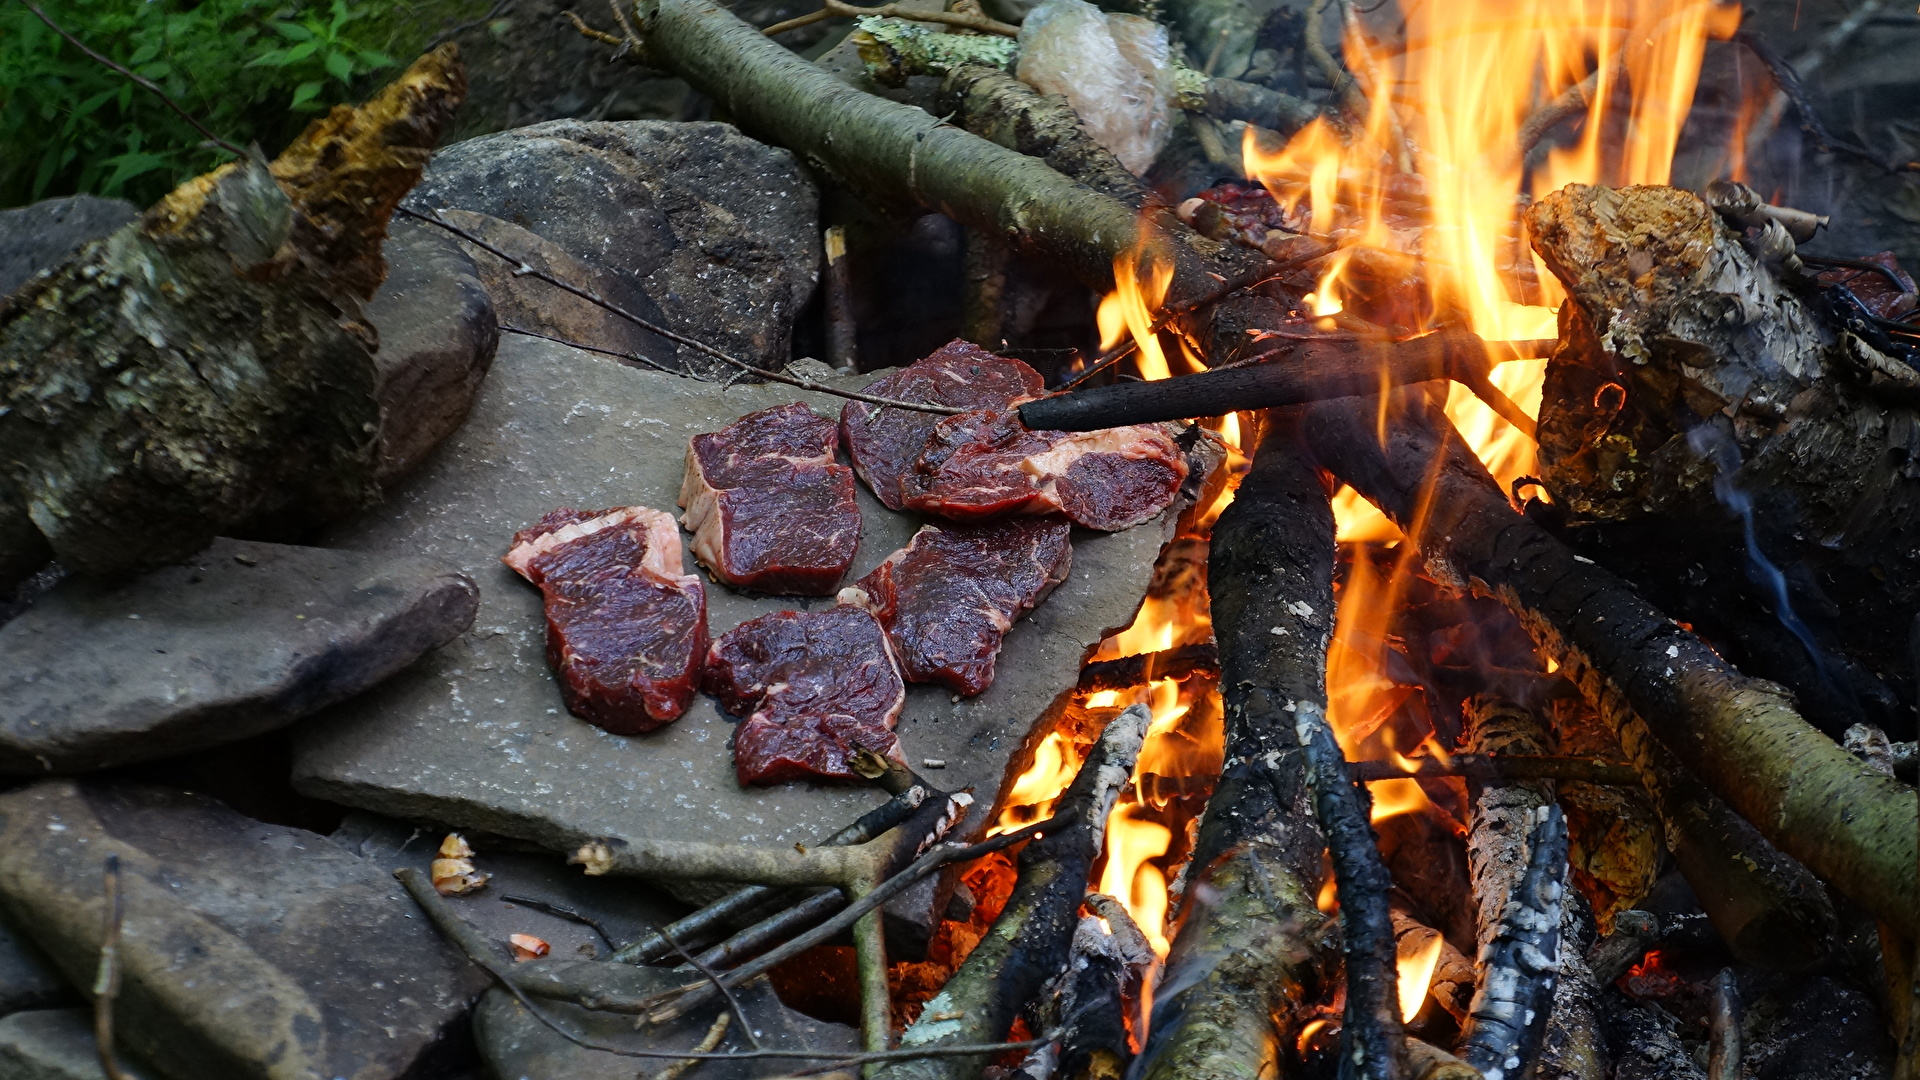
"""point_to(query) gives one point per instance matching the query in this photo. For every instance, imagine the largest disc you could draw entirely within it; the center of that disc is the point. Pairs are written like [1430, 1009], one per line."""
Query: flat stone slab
[476, 734]
[248, 950]
[240, 639]
[55, 1044]
[28, 979]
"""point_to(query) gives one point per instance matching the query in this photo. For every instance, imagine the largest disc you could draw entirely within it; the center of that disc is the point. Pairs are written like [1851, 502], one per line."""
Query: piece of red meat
[949, 597]
[986, 464]
[626, 630]
[812, 686]
[768, 507]
[884, 443]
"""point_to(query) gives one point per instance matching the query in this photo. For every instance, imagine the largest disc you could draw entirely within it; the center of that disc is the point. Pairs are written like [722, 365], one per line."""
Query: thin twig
[733, 1003]
[478, 950]
[715, 1033]
[566, 913]
[143, 84]
[839, 9]
[592, 33]
[584, 347]
[524, 269]
[106, 985]
[1791, 89]
[1167, 315]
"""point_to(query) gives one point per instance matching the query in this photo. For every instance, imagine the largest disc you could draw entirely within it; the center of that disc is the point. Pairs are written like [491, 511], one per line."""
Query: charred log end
[348, 170]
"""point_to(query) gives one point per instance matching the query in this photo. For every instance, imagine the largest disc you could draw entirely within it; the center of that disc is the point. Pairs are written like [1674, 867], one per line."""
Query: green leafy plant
[252, 70]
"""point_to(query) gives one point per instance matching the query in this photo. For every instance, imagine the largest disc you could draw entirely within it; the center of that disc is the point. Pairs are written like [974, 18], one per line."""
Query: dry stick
[526, 270]
[1788, 78]
[1503, 767]
[715, 1032]
[1513, 1001]
[838, 9]
[480, 951]
[106, 985]
[1743, 738]
[143, 84]
[1373, 1039]
[674, 1003]
[893, 812]
[733, 1003]
[1307, 373]
[560, 912]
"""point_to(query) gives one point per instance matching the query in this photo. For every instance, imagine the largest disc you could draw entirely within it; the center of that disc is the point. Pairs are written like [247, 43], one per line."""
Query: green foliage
[250, 70]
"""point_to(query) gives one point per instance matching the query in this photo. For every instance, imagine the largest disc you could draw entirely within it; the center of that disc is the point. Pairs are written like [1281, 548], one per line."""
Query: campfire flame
[1441, 105]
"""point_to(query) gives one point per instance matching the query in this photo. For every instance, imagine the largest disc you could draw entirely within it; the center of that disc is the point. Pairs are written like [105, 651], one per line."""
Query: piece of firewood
[1249, 952]
[1521, 958]
[1743, 738]
[207, 367]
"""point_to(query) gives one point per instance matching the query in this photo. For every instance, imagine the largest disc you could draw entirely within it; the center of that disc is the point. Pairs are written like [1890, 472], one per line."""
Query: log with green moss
[897, 154]
[1246, 956]
[1854, 827]
[207, 368]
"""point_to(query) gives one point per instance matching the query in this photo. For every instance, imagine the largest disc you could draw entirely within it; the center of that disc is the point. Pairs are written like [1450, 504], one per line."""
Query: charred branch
[1200, 660]
[1290, 374]
[1373, 1038]
[1495, 768]
[1634, 932]
[1029, 943]
[1245, 959]
[1521, 959]
[1743, 738]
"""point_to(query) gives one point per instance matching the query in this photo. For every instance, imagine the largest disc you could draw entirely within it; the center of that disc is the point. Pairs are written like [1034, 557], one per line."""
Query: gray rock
[248, 950]
[721, 231]
[477, 736]
[623, 909]
[243, 638]
[437, 337]
[527, 303]
[515, 1044]
[28, 979]
[42, 236]
[55, 1044]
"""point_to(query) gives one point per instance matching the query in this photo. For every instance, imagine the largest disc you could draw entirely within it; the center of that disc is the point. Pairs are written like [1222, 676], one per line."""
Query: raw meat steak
[626, 630]
[768, 507]
[884, 443]
[987, 463]
[949, 597]
[812, 685]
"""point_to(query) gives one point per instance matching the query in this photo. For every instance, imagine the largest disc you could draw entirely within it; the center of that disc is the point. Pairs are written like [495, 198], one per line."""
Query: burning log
[207, 368]
[1294, 374]
[1453, 975]
[894, 153]
[1030, 941]
[1743, 738]
[1512, 1004]
[1713, 406]
[1245, 960]
[1087, 1003]
[1499, 858]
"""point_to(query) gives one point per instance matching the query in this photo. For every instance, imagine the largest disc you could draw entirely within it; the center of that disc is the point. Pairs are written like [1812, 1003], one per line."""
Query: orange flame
[1140, 287]
[1416, 963]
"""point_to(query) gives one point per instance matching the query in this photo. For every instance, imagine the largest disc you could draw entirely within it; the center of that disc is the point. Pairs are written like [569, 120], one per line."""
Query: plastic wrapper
[1115, 70]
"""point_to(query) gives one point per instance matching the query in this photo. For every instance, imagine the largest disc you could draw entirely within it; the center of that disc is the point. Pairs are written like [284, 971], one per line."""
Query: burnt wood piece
[1453, 974]
[1501, 818]
[1373, 1039]
[1511, 1005]
[1634, 932]
[1743, 738]
[1289, 374]
[1030, 942]
[1200, 660]
[1246, 957]
[1710, 402]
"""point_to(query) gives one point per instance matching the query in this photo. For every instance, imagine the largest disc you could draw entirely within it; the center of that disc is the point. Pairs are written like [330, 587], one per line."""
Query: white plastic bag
[1115, 70]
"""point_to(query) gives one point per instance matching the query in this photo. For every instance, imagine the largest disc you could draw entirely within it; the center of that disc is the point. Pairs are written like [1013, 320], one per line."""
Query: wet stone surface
[476, 735]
